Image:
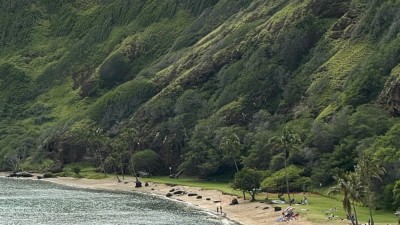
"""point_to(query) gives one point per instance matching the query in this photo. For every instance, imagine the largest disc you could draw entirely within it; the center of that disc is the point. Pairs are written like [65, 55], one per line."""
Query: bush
[49, 175]
[277, 182]
[76, 170]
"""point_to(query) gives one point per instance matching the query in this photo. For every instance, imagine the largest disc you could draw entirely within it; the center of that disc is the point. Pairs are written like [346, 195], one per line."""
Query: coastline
[246, 212]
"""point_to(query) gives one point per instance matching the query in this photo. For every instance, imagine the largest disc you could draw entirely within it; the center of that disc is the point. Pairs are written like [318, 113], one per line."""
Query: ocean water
[39, 202]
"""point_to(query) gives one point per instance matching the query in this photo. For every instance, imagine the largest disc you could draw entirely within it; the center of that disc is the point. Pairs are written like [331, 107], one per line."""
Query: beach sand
[246, 212]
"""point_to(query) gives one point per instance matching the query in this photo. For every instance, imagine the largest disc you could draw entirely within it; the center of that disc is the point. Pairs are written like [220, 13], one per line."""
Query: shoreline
[244, 213]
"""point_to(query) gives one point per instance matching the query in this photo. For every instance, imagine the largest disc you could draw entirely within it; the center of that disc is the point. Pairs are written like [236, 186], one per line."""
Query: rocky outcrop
[20, 174]
[390, 96]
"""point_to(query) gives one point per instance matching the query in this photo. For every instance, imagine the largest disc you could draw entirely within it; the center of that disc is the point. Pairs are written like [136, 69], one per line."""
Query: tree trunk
[287, 183]
[237, 168]
[369, 195]
[134, 172]
[370, 214]
[122, 170]
[355, 213]
[253, 195]
[116, 174]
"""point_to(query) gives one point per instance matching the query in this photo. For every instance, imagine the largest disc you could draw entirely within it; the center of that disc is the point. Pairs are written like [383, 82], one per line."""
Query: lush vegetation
[204, 88]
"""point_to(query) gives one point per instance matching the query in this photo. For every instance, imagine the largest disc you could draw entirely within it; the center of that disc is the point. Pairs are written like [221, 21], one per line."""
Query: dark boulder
[138, 184]
[24, 174]
[192, 194]
[234, 201]
[169, 195]
[199, 197]
[179, 192]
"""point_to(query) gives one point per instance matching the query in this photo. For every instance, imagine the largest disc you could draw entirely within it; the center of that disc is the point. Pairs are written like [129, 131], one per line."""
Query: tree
[352, 189]
[230, 145]
[111, 160]
[288, 143]
[121, 154]
[247, 180]
[368, 168]
[276, 182]
[145, 160]
[11, 160]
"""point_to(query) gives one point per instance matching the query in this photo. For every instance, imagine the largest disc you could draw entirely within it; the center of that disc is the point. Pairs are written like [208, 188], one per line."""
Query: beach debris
[168, 195]
[266, 207]
[172, 190]
[208, 199]
[199, 197]
[192, 194]
[146, 184]
[277, 208]
[217, 201]
[277, 202]
[288, 214]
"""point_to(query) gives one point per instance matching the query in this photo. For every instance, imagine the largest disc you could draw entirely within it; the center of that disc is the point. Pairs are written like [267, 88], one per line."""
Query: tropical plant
[247, 180]
[145, 160]
[230, 145]
[350, 186]
[112, 160]
[287, 143]
[368, 168]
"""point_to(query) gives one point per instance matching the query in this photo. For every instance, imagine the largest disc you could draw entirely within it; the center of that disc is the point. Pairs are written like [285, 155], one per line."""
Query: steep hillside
[87, 80]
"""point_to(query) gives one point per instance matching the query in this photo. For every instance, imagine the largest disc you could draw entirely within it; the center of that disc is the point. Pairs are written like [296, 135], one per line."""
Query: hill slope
[88, 80]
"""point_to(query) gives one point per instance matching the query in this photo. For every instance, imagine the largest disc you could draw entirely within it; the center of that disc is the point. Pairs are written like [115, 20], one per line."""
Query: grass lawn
[318, 210]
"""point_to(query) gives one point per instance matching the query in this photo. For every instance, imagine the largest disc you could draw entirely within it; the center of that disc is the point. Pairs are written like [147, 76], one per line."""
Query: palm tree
[111, 161]
[352, 189]
[288, 143]
[230, 145]
[368, 168]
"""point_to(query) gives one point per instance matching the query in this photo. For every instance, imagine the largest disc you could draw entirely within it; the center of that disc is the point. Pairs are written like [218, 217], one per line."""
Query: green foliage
[49, 175]
[369, 120]
[247, 180]
[76, 170]
[17, 89]
[146, 160]
[122, 101]
[387, 198]
[276, 182]
[396, 195]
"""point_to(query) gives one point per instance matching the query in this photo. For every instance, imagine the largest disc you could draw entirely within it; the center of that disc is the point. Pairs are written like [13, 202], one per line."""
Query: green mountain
[87, 80]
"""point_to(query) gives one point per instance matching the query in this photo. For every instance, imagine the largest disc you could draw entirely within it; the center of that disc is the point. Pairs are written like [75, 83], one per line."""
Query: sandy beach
[246, 212]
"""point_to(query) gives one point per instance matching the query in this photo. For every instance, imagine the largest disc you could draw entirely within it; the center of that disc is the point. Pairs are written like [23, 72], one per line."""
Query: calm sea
[39, 202]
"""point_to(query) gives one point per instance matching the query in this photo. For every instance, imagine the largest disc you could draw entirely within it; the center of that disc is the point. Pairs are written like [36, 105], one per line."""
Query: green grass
[317, 211]
[195, 182]
[88, 170]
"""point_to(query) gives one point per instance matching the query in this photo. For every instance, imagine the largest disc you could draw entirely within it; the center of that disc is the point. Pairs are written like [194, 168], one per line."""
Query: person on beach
[220, 209]
[217, 209]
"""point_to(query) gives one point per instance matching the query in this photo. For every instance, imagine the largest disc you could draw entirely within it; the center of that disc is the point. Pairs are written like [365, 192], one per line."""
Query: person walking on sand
[220, 209]
[217, 209]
